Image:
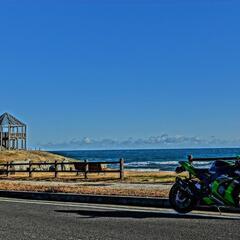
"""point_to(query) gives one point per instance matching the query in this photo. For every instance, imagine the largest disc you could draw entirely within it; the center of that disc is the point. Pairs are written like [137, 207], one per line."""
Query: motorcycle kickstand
[219, 210]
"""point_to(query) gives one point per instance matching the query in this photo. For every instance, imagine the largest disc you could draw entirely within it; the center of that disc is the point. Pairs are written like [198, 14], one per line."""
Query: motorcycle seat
[202, 171]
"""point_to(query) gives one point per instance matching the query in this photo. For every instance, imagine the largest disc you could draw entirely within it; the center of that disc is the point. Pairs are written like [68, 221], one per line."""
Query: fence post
[30, 169]
[7, 169]
[122, 169]
[86, 169]
[190, 160]
[56, 170]
[77, 173]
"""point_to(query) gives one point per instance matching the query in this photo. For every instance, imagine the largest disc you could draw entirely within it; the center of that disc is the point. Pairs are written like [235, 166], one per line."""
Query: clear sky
[128, 69]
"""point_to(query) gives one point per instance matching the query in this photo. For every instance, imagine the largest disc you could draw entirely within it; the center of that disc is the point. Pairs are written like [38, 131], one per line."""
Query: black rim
[182, 199]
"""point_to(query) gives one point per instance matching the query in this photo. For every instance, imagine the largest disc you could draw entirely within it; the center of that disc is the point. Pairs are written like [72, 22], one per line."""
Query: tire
[181, 201]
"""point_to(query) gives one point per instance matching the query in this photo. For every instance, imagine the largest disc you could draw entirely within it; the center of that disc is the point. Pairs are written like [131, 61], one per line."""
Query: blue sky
[81, 72]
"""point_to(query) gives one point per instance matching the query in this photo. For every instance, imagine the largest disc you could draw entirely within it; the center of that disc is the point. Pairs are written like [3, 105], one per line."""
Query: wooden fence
[192, 159]
[61, 167]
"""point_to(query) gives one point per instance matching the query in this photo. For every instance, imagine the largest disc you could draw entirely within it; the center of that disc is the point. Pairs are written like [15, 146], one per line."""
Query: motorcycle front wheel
[181, 201]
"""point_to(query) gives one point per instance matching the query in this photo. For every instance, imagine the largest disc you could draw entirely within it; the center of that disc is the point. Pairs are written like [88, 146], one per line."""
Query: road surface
[23, 219]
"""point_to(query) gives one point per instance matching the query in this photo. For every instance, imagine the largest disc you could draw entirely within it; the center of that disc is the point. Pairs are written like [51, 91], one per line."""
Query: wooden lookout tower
[13, 133]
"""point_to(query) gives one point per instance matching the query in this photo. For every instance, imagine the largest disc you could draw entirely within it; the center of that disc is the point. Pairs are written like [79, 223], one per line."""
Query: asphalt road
[20, 219]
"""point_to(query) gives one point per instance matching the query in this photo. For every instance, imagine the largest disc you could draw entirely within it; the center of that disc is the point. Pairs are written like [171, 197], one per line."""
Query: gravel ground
[97, 188]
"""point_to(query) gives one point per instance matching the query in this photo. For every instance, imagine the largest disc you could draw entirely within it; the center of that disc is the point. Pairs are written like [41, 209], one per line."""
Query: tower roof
[8, 120]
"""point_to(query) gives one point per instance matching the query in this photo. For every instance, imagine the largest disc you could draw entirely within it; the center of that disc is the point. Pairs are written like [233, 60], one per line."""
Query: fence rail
[56, 167]
[192, 159]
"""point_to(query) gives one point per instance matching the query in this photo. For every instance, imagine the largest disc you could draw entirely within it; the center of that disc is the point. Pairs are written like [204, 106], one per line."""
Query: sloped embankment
[34, 156]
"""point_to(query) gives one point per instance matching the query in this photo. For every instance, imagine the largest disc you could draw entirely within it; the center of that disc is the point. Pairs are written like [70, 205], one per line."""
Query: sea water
[151, 159]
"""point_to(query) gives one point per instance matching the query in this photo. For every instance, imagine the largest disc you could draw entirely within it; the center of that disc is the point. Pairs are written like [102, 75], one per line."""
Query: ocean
[150, 160]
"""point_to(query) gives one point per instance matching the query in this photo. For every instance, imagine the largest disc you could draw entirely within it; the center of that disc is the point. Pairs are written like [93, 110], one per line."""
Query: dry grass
[35, 156]
[62, 177]
[130, 177]
[151, 177]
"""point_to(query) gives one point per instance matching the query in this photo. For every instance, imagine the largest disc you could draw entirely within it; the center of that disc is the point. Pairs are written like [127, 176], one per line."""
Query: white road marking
[122, 208]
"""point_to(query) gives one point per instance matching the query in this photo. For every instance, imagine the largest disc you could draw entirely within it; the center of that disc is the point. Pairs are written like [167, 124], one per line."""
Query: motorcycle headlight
[179, 170]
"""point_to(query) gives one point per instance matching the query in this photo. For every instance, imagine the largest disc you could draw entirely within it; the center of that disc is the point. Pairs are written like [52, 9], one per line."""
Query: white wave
[169, 163]
[144, 170]
[150, 163]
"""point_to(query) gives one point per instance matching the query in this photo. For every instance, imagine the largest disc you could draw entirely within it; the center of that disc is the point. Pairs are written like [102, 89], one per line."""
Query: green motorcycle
[217, 186]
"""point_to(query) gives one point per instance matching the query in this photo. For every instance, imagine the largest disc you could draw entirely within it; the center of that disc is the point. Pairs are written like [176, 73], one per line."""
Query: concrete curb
[98, 199]
[66, 197]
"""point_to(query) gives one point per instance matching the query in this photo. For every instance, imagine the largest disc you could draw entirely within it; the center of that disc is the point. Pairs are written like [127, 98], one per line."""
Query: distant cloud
[162, 141]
